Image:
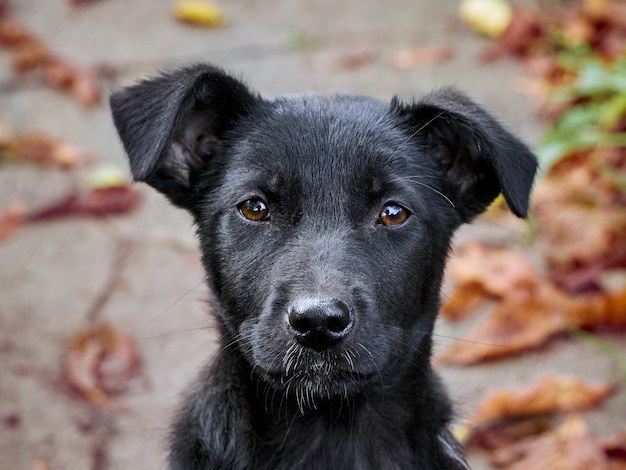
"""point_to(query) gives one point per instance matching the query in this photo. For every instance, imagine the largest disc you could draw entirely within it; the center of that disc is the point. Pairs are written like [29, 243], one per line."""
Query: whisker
[436, 191]
[174, 333]
[417, 131]
[165, 310]
[415, 180]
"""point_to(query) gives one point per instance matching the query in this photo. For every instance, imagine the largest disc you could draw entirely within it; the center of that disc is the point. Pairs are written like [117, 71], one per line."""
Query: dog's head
[324, 220]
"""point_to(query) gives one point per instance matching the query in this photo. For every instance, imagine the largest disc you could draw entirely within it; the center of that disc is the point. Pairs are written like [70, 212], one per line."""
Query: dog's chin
[311, 386]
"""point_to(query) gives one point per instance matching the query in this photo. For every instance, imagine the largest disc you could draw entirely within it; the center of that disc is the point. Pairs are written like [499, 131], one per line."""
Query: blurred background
[103, 313]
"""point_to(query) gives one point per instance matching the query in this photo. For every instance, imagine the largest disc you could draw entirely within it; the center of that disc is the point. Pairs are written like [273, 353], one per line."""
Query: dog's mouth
[310, 377]
[309, 391]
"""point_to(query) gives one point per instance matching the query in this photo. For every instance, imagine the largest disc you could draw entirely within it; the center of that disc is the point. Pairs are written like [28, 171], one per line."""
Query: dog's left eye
[393, 214]
[254, 209]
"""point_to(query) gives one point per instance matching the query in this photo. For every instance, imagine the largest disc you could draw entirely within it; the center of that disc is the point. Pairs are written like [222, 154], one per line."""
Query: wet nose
[319, 324]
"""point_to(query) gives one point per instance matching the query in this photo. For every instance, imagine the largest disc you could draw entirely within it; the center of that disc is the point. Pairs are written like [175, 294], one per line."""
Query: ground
[54, 276]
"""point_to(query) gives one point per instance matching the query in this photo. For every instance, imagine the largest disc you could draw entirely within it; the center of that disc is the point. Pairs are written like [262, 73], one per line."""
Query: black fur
[326, 310]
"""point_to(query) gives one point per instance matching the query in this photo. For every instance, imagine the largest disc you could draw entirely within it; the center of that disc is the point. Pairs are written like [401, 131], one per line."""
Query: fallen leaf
[529, 309]
[411, 58]
[549, 395]
[498, 272]
[504, 433]
[13, 34]
[107, 192]
[581, 221]
[357, 60]
[569, 447]
[85, 86]
[100, 361]
[105, 176]
[615, 446]
[40, 465]
[11, 220]
[524, 34]
[30, 53]
[199, 12]
[30, 56]
[509, 329]
[83, 83]
[462, 302]
[489, 17]
[98, 202]
[40, 149]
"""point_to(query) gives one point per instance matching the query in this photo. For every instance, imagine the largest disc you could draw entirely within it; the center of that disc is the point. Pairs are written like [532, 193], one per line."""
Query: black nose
[319, 324]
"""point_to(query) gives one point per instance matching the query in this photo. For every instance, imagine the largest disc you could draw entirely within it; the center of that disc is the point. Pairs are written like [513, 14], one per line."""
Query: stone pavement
[54, 276]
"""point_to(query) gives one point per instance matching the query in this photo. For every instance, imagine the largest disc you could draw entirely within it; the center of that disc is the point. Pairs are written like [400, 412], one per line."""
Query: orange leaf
[549, 395]
[100, 361]
[529, 309]
[462, 301]
[512, 327]
[81, 82]
[11, 221]
[30, 53]
[500, 272]
[357, 60]
[38, 148]
[504, 433]
[13, 34]
[569, 447]
[412, 58]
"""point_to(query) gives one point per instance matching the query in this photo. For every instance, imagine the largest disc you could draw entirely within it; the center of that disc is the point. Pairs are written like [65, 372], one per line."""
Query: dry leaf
[357, 59]
[13, 34]
[615, 446]
[569, 447]
[40, 149]
[412, 58]
[581, 220]
[199, 12]
[96, 203]
[499, 272]
[30, 53]
[108, 193]
[489, 17]
[462, 302]
[505, 433]
[30, 56]
[529, 309]
[523, 35]
[100, 361]
[40, 465]
[549, 395]
[511, 328]
[11, 220]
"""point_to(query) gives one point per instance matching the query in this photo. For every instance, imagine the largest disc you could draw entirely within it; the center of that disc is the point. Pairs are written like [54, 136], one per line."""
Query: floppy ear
[173, 124]
[478, 157]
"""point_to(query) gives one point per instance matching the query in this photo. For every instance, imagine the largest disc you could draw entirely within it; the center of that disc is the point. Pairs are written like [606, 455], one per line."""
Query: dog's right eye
[393, 214]
[254, 209]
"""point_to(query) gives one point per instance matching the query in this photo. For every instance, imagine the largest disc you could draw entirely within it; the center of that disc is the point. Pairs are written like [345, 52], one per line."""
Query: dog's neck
[396, 416]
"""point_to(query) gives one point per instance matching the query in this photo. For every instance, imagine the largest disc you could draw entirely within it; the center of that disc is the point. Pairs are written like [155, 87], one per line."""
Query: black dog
[324, 223]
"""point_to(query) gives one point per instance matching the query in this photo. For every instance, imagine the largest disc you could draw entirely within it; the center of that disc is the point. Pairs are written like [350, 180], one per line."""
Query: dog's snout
[320, 324]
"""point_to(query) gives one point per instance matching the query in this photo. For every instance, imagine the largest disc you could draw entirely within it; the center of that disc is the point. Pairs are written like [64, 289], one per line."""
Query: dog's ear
[173, 124]
[478, 157]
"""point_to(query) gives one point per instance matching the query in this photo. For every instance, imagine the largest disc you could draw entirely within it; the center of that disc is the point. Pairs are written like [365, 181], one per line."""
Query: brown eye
[254, 209]
[393, 214]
